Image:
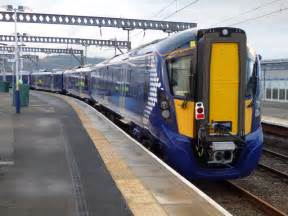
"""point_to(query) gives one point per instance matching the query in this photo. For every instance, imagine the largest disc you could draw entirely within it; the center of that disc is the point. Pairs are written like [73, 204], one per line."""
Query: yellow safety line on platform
[138, 197]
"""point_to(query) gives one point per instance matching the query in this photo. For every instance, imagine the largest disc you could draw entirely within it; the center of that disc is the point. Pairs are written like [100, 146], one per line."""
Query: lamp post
[17, 89]
[21, 58]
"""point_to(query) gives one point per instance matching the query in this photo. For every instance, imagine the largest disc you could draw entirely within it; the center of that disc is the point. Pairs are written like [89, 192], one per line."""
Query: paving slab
[6, 131]
[57, 169]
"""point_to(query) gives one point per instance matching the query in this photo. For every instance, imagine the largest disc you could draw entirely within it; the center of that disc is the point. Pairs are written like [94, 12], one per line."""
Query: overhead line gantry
[66, 40]
[124, 23]
[73, 52]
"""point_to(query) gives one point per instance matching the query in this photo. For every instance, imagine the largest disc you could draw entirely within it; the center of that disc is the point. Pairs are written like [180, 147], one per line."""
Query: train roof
[85, 68]
[42, 73]
[161, 46]
[47, 72]
[174, 41]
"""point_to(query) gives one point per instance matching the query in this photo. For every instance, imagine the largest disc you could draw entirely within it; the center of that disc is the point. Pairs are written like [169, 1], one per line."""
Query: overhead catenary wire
[261, 16]
[172, 14]
[177, 11]
[247, 12]
[164, 8]
[155, 15]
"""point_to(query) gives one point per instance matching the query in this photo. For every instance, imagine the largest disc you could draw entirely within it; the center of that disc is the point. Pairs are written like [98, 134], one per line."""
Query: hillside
[54, 62]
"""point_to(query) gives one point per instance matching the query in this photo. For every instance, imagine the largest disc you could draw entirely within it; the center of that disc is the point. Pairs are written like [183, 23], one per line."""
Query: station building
[275, 80]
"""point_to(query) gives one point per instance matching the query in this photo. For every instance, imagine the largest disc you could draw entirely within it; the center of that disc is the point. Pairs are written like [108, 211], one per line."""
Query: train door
[80, 77]
[123, 88]
[52, 82]
[224, 85]
[222, 55]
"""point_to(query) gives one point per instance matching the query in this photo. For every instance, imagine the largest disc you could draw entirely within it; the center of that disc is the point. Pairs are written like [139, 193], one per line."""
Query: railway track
[237, 199]
[275, 156]
[262, 204]
[275, 130]
[272, 170]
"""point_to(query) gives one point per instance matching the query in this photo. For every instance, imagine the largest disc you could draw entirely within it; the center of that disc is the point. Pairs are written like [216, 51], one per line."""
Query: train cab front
[216, 91]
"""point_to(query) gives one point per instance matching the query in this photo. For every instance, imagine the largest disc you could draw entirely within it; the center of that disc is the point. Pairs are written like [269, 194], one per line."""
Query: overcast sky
[268, 35]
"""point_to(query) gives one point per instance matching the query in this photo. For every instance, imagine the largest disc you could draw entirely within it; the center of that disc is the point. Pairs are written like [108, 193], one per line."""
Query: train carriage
[122, 87]
[194, 96]
[76, 82]
[42, 80]
[197, 94]
[25, 75]
[8, 78]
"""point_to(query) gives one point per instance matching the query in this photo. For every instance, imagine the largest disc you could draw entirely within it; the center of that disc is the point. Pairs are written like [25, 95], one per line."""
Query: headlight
[257, 108]
[225, 32]
[164, 105]
[165, 114]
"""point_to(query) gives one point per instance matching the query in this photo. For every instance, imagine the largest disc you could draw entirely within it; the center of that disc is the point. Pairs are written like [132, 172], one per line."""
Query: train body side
[42, 80]
[124, 87]
[49, 81]
[149, 88]
[8, 77]
[76, 82]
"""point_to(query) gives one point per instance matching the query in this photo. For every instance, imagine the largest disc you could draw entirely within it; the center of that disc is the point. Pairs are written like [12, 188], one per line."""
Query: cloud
[268, 35]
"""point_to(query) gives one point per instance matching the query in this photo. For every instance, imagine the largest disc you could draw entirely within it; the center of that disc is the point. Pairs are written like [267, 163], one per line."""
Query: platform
[71, 160]
[57, 170]
[6, 132]
[275, 113]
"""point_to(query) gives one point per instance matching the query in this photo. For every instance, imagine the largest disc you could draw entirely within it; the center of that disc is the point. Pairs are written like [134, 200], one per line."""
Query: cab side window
[181, 76]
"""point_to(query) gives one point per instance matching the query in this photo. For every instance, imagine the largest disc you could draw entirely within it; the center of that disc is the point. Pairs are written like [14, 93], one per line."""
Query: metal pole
[128, 39]
[17, 90]
[21, 59]
[3, 64]
[115, 49]
[4, 70]
[85, 57]
[265, 96]
[3, 75]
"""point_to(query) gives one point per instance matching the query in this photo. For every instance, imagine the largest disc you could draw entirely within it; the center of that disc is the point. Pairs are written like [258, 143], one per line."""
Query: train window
[181, 76]
[268, 93]
[275, 94]
[281, 94]
[86, 78]
[250, 77]
[287, 94]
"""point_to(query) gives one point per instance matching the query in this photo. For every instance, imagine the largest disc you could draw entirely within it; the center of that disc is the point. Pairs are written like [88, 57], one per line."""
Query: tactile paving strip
[139, 199]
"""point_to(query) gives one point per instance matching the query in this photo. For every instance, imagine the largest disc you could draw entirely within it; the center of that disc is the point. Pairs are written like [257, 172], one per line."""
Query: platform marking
[139, 199]
[6, 163]
[275, 121]
[80, 200]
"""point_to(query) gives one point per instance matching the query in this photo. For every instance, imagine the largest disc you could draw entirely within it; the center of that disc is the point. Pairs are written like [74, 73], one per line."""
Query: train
[9, 77]
[194, 96]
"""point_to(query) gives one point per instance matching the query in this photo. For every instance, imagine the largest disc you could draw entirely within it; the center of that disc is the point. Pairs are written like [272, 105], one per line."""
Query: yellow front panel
[185, 117]
[248, 116]
[224, 83]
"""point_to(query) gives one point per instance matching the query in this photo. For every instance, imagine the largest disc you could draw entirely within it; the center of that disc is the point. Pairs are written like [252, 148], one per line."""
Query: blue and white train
[193, 95]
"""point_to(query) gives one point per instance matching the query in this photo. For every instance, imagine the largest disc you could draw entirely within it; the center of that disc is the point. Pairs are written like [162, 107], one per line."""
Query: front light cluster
[257, 108]
[165, 114]
[164, 105]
